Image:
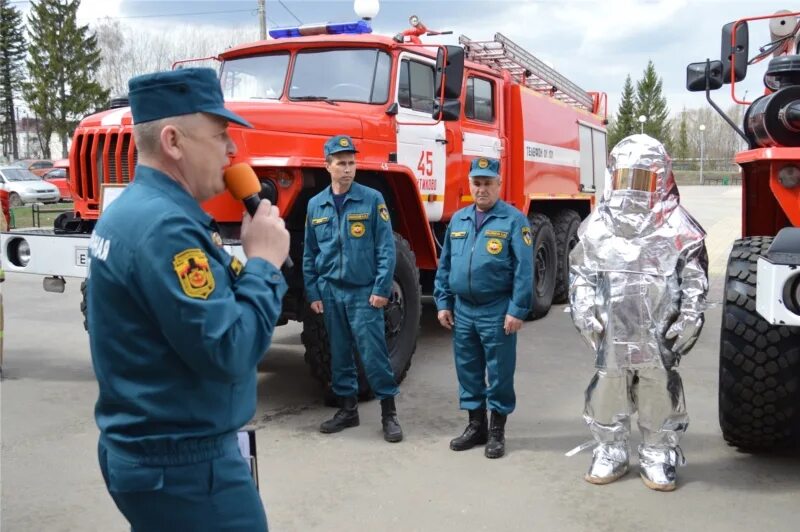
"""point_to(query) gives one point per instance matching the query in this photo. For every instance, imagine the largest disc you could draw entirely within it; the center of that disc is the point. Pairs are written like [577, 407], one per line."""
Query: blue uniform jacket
[484, 266]
[176, 325]
[355, 248]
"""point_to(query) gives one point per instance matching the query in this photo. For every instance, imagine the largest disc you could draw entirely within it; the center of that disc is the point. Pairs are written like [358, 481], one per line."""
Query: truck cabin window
[258, 78]
[345, 75]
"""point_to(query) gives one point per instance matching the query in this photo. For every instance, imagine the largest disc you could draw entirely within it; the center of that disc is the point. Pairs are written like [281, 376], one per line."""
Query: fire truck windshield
[259, 77]
[351, 75]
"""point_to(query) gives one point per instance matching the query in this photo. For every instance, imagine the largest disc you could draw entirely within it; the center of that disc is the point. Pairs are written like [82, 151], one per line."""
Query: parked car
[36, 166]
[58, 177]
[24, 187]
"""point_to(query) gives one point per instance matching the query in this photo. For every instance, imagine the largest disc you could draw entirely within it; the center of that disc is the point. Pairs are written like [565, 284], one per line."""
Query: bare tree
[130, 50]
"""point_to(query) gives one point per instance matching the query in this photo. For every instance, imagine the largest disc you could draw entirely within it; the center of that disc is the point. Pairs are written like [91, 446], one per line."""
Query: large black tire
[759, 363]
[402, 317]
[545, 260]
[565, 226]
[84, 307]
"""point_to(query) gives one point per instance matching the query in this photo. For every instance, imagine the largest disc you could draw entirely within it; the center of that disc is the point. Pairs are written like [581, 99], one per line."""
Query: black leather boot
[391, 427]
[345, 417]
[474, 434]
[497, 436]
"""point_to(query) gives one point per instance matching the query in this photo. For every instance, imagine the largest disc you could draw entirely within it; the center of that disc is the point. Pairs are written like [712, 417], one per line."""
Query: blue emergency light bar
[340, 28]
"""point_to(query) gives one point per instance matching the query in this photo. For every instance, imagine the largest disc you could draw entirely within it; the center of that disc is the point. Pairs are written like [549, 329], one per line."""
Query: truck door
[481, 126]
[420, 141]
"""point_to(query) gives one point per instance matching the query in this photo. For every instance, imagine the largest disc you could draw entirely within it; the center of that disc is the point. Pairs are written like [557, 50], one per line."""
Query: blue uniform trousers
[216, 494]
[352, 323]
[481, 347]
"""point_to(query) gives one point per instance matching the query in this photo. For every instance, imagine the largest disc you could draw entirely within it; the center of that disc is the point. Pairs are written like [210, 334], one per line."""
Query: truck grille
[101, 158]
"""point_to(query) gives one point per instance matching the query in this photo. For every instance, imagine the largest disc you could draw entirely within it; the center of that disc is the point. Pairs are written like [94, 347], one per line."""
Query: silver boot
[609, 462]
[658, 466]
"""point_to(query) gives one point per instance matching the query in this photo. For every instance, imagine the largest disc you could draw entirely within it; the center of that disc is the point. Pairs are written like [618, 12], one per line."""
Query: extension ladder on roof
[504, 54]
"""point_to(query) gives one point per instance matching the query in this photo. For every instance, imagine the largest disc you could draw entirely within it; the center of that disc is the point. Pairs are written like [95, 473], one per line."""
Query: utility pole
[262, 19]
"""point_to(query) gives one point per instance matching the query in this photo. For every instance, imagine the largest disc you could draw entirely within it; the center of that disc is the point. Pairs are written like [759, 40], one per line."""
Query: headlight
[789, 176]
[19, 252]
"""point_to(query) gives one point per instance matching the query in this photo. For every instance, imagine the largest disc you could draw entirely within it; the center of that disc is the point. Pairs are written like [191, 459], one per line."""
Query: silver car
[24, 187]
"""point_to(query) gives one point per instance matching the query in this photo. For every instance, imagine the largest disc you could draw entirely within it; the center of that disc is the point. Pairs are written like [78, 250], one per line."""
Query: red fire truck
[759, 362]
[419, 113]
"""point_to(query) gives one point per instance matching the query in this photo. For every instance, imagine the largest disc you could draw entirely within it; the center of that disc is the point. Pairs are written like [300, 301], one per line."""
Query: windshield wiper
[313, 99]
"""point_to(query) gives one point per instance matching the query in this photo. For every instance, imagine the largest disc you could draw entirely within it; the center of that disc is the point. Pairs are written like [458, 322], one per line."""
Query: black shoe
[345, 417]
[497, 436]
[474, 434]
[391, 427]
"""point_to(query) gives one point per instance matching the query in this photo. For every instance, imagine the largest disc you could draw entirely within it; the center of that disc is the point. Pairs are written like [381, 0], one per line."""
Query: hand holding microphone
[264, 233]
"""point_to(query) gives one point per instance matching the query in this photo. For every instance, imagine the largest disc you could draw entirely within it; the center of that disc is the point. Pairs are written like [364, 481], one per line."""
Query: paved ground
[354, 481]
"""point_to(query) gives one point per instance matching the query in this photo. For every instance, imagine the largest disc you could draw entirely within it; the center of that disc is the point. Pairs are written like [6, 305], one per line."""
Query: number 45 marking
[425, 165]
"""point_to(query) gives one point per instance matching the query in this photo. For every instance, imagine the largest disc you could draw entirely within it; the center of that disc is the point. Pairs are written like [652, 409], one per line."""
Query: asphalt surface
[354, 481]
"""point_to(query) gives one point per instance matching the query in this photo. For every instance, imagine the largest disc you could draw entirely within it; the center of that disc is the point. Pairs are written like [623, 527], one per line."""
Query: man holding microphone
[177, 326]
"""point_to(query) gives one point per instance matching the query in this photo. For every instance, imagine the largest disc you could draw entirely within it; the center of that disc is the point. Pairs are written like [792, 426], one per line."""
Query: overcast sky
[595, 43]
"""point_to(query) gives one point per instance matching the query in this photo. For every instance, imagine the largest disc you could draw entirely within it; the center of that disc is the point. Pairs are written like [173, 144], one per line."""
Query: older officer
[176, 325]
[348, 265]
[485, 278]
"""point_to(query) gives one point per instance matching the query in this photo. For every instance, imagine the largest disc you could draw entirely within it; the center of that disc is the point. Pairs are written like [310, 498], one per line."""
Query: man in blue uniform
[348, 265]
[177, 325]
[485, 279]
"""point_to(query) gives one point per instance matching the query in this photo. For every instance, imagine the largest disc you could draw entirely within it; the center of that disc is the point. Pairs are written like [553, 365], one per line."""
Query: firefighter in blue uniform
[348, 265]
[483, 292]
[176, 324]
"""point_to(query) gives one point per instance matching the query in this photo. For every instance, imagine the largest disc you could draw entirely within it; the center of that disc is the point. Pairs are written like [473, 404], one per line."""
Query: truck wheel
[565, 226]
[401, 316]
[14, 200]
[545, 260]
[759, 363]
[84, 308]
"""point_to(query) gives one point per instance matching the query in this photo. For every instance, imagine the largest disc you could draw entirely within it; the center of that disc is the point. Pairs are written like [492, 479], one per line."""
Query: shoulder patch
[458, 234]
[497, 234]
[194, 273]
[236, 266]
[317, 221]
[358, 216]
[526, 235]
[384, 212]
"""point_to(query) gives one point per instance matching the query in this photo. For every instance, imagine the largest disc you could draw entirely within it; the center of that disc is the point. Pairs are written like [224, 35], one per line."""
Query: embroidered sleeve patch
[358, 216]
[317, 221]
[236, 266]
[384, 212]
[497, 234]
[458, 234]
[194, 273]
[526, 236]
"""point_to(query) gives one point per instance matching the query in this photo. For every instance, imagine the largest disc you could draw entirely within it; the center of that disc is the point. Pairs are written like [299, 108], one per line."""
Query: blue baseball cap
[484, 167]
[178, 92]
[339, 143]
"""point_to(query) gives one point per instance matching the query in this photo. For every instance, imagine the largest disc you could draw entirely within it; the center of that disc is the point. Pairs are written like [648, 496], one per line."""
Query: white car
[23, 186]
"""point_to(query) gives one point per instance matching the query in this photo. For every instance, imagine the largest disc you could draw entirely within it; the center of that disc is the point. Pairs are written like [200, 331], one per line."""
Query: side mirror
[448, 111]
[734, 58]
[451, 74]
[706, 74]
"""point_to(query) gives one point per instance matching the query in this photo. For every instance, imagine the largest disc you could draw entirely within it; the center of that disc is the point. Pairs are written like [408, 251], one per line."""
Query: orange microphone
[243, 184]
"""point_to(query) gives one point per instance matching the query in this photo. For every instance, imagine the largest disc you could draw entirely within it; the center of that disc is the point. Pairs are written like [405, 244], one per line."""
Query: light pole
[642, 120]
[702, 129]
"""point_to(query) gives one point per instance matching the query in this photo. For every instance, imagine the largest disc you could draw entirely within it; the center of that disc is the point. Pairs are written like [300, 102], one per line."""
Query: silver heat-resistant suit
[638, 283]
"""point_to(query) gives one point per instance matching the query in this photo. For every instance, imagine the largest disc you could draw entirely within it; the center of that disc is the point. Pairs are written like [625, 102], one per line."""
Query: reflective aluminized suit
[638, 281]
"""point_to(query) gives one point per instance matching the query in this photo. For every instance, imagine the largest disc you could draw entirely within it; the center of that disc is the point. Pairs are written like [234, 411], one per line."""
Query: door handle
[441, 140]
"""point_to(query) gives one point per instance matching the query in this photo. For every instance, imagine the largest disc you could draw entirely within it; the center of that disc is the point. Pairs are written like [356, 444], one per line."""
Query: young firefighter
[638, 282]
